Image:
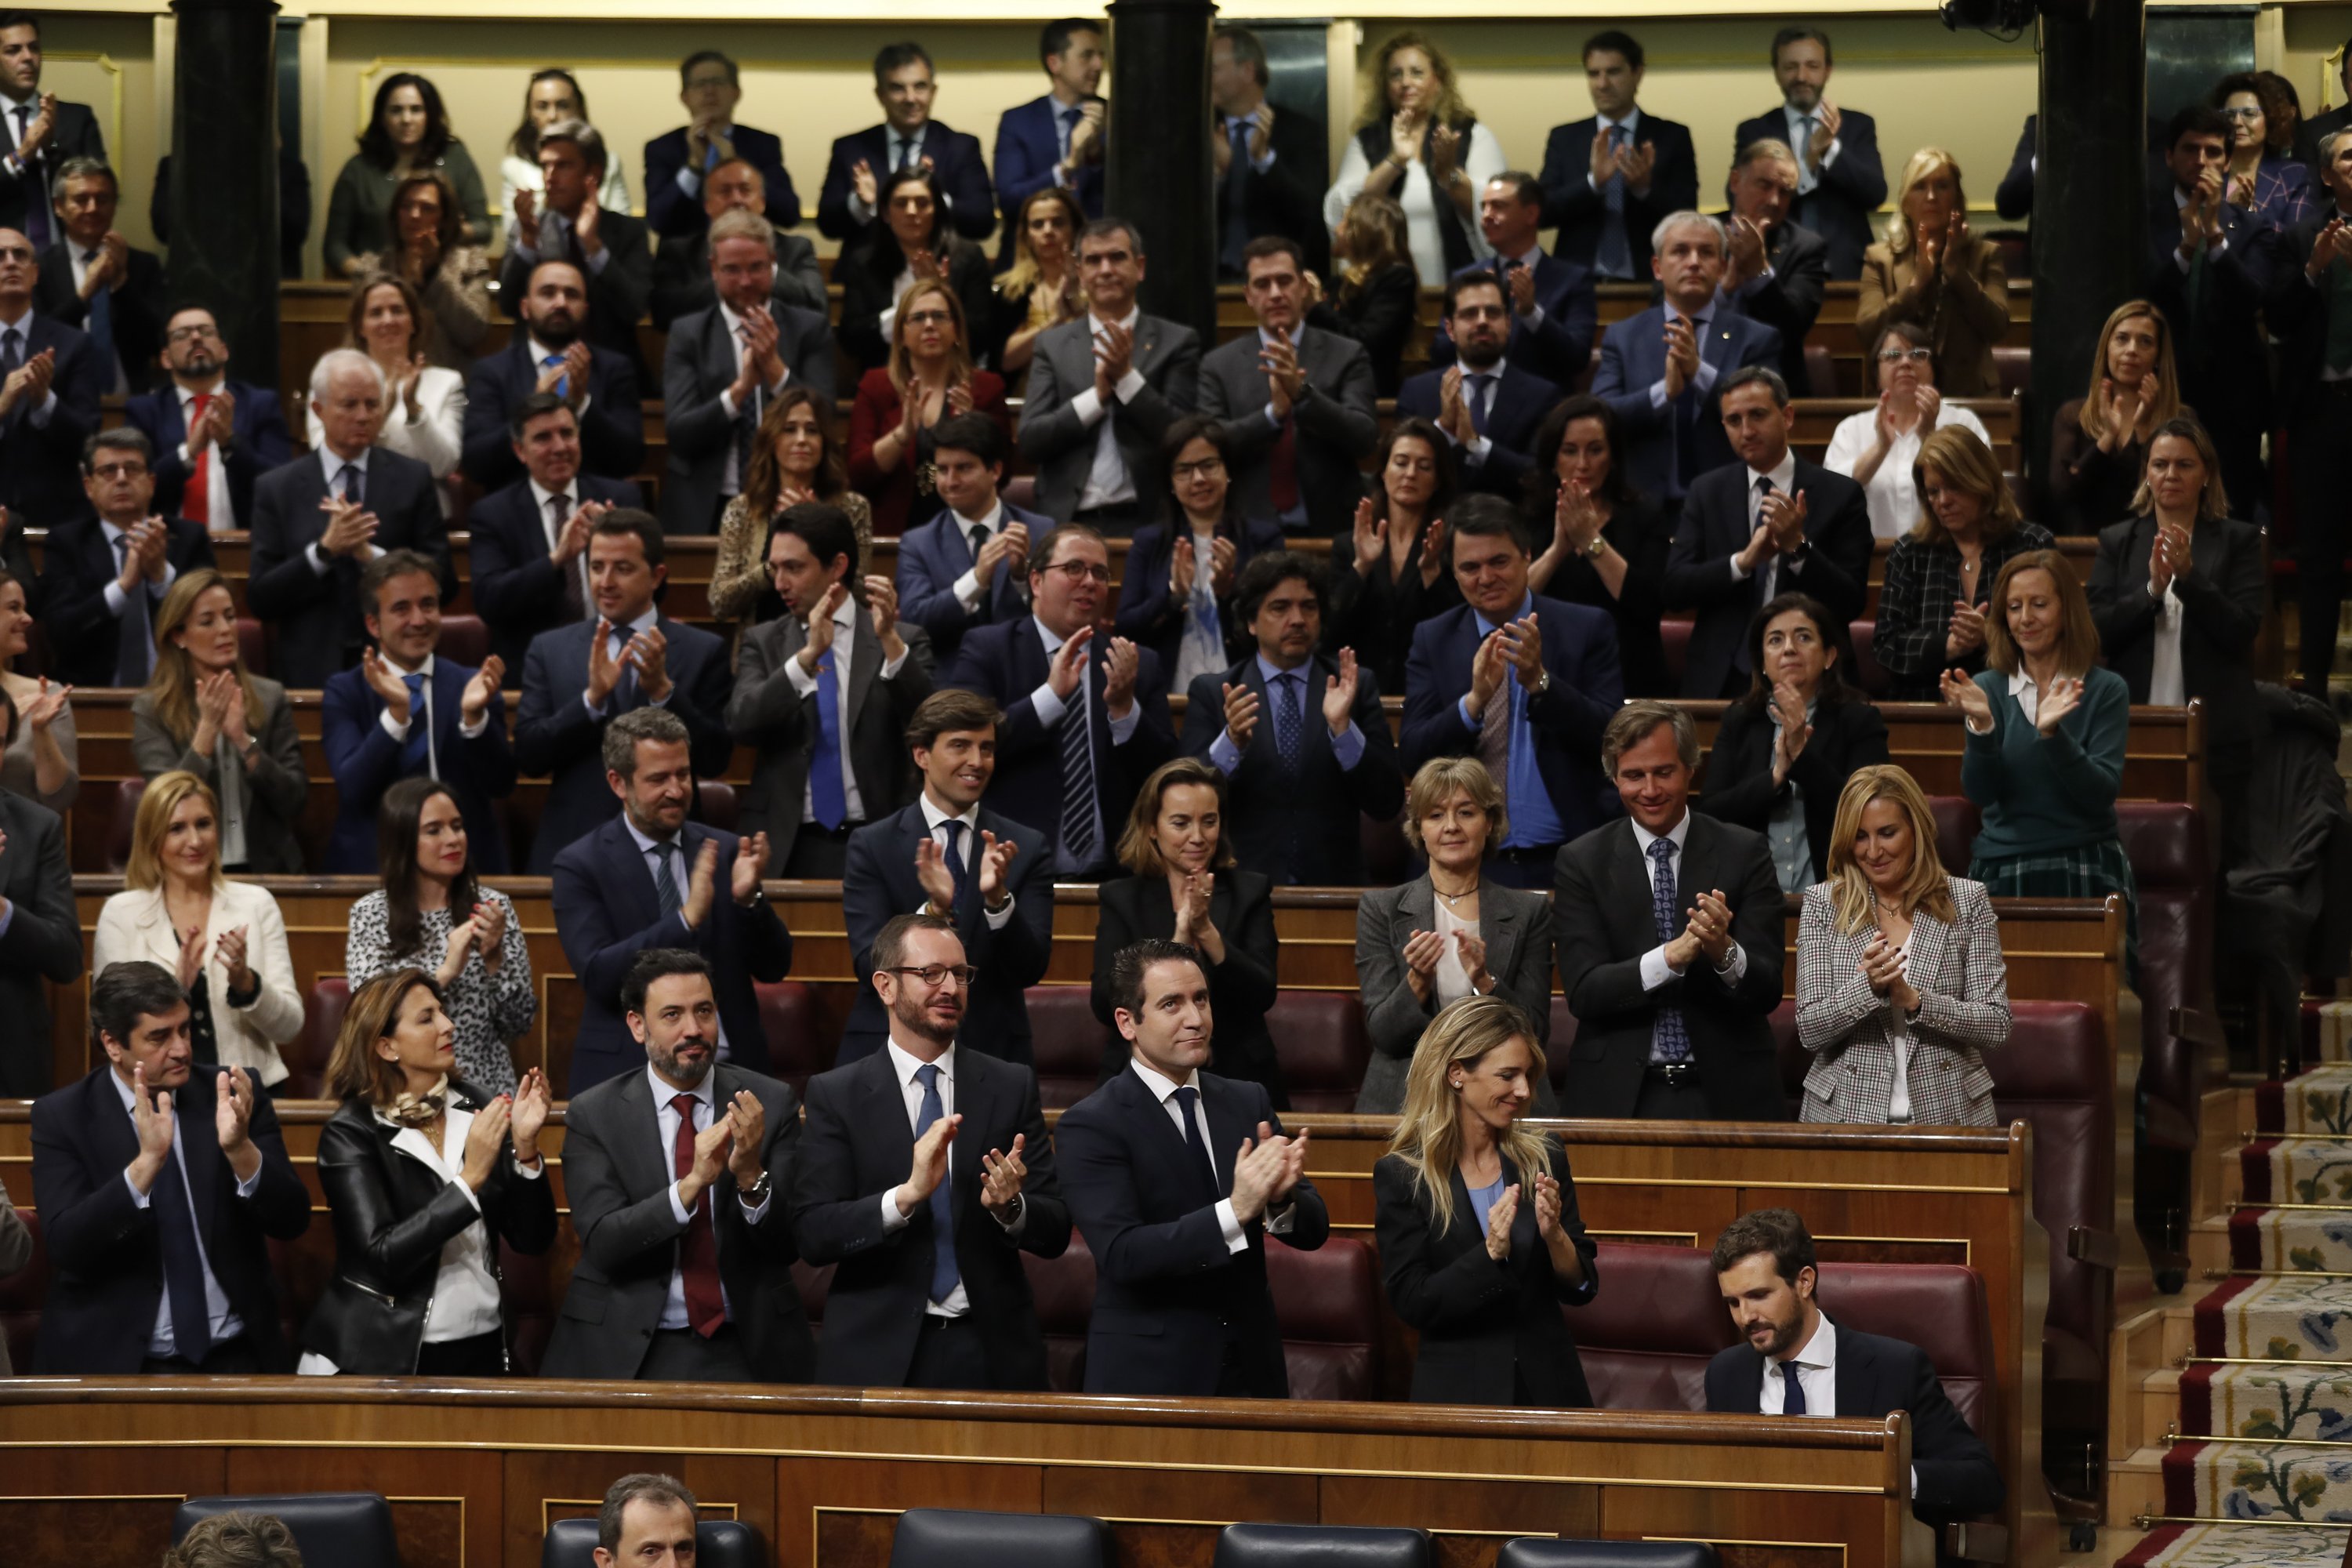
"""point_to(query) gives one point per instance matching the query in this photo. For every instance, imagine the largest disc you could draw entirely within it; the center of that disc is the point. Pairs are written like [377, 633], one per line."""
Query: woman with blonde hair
[224, 941]
[1444, 935]
[43, 759]
[1481, 1244]
[795, 457]
[2098, 442]
[1930, 269]
[1939, 575]
[425, 416]
[930, 375]
[203, 712]
[1901, 989]
[1039, 289]
[1376, 298]
[1417, 142]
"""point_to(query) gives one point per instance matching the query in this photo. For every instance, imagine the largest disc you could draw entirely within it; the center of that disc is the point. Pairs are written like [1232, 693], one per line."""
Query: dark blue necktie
[102, 312]
[1289, 722]
[1482, 395]
[828, 800]
[416, 752]
[37, 199]
[1205, 1168]
[1669, 1040]
[1078, 804]
[183, 1262]
[665, 881]
[957, 873]
[944, 1274]
[134, 654]
[1237, 198]
[1793, 1402]
[355, 485]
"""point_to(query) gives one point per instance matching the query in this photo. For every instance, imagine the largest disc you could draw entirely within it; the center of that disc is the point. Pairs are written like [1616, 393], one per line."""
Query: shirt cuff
[1705, 379]
[598, 262]
[1462, 711]
[399, 732]
[1533, 318]
[754, 1214]
[803, 682]
[892, 1220]
[1230, 1223]
[1736, 966]
[138, 1198]
[1224, 754]
[1655, 970]
[678, 1209]
[1048, 707]
[317, 558]
[1658, 398]
[115, 597]
[690, 182]
[860, 210]
[1123, 729]
[967, 590]
[1088, 407]
[40, 417]
[1012, 1228]
[891, 668]
[727, 394]
[529, 1172]
[251, 1185]
[1738, 573]
[1127, 386]
[1348, 746]
[998, 919]
[1831, 156]
[171, 576]
[1273, 420]
[1972, 724]
[1261, 164]
[475, 731]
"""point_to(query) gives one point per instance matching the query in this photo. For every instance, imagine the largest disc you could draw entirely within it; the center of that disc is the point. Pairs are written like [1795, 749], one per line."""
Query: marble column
[1156, 166]
[224, 194]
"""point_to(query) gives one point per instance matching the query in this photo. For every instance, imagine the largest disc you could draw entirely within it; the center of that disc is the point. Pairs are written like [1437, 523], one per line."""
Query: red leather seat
[21, 1295]
[714, 804]
[1821, 373]
[1675, 631]
[1021, 490]
[1328, 1303]
[464, 640]
[253, 645]
[1956, 822]
[1064, 1290]
[1648, 1333]
[797, 1048]
[2173, 867]
[1867, 672]
[126, 814]
[1318, 1038]
[1066, 1042]
[1940, 1308]
[322, 1020]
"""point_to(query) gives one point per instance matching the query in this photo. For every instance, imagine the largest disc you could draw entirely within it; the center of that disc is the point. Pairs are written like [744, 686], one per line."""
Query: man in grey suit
[1103, 391]
[725, 364]
[38, 133]
[1296, 401]
[682, 262]
[825, 691]
[678, 1178]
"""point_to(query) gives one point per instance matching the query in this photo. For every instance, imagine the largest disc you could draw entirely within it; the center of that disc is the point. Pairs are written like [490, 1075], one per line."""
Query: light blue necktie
[1614, 255]
[945, 1277]
[562, 382]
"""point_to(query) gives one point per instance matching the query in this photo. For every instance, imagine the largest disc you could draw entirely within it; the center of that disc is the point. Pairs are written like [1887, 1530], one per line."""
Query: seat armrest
[2099, 1248]
[2198, 1029]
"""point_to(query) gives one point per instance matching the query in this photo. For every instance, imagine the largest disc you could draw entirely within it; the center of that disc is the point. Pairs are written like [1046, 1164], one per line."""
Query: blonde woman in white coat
[225, 941]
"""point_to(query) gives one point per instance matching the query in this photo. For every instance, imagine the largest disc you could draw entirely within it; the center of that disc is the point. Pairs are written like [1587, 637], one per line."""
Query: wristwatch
[758, 895]
[1544, 685]
[1598, 548]
[757, 1193]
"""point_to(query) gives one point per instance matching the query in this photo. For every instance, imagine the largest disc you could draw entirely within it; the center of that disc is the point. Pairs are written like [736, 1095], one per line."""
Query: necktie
[575, 582]
[1481, 393]
[828, 802]
[1808, 176]
[944, 1276]
[958, 872]
[134, 653]
[697, 1246]
[625, 689]
[1203, 1168]
[417, 755]
[1670, 1041]
[905, 153]
[1494, 733]
[1289, 722]
[1078, 804]
[354, 484]
[1792, 1398]
[562, 382]
[11, 352]
[1688, 410]
[101, 308]
[183, 1262]
[1070, 118]
[196, 496]
[37, 200]
[665, 881]
[1235, 198]
[1766, 578]
[1614, 252]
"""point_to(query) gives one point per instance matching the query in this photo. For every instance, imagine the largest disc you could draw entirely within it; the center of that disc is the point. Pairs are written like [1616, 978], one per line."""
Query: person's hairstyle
[1917, 170]
[1775, 1231]
[1787, 36]
[584, 136]
[354, 1070]
[1132, 964]
[1428, 1135]
[1484, 517]
[624, 734]
[764, 480]
[828, 534]
[2194, 120]
[630, 522]
[1248, 48]
[86, 169]
[882, 255]
[524, 142]
[1191, 427]
[1412, 428]
[2250, 83]
[334, 361]
[1435, 782]
[163, 794]
[1267, 244]
[1042, 548]
[1137, 849]
[1462, 282]
[1834, 688]
[890, 942]
[1762, 375]
[1636, 721]
[1689, 219]
[173, 682]
[2327, 143]
[701, 58]
[451, 229]
[758, 180]
[972, 432]
[1958, 456]
[2078, 634]
[385, 567]
[1055, 37]
[233, 1540]
[1019, 279]
[947, 711]
[740, 223]
[1925, 890]
[902, 358]
[396, 822]
[375, 141]
[657, 964]
[1542, 493]
[355, 313]
[1377, 240]
[1526, 189]
[642, 1486]
[538, 406]
[1269, 570]
[1611, 41]
[2214, 500]
[2168, 397]
[32, 19]
[122, 438]
[1771, 147]
[1103, 227]
[899, 57]
[1446, 107]
[126, 992]
[2281, 110]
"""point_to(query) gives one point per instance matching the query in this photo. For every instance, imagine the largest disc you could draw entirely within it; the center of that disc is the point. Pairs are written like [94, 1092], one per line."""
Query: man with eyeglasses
[213, 437]
[92, 278]
[49, 379]
[103, 578]
[678, 162]
[924, 1173]
[682, 280]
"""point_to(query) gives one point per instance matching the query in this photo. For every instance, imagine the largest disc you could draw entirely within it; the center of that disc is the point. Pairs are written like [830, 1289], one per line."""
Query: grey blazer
[697, 366]
[275, 784]
[1335, 424]
[16, 1251]
[1516, 926]
[1062, 446]
[1963, 988]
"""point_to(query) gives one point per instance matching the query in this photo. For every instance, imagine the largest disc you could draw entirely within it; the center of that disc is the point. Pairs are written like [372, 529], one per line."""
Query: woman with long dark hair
[1178, 595]
[1609, 544]
[1400, 574]
[407, 130]
[911, 241]
[795, 457]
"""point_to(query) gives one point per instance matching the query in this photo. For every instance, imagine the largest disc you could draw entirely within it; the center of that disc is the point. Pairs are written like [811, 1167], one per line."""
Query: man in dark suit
[925, 1173]
[548, 353]
[823, 692]
[1608, 179]
[1661, 370]
[49, 381]
[1839, 181]
[568, 224]
[969, 565]
[530, 551]
[1673, 1011]
[724, 365]
[679, 1177]
[37, 132]
[678, 162]
[103, 577]
[905, 85]
[161, 1183]
[682, 280]
[1796, 1361]
[1270, 162]
[580, 678]
[1104, 389]
[1056, 140]
[213, 437]
[375, 736]
[1045, 675]
[41, 944]
[1554, 311]
[650, 880]
[1487, 406]
[1777, 272]
[1525, 684]
[1176, 1221]
[990, 876]
[2310, 310]
[317, 523]
[1286, 770]
[1297, 402]
[93, 280]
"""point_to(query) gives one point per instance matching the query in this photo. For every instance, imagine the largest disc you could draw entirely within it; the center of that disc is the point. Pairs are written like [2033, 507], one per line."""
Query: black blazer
[1599, 935]
[106, 1262]
[2218, 334]
[1572, 206]
[41, 466]
[956, 165]
[1875, 1375]
[1849, 190]
[682, 282]
[1714, 527]
[617, 292]
[1488, 1331]
[1241, 989]
[84, 635]
[393, 1216]
[2222, 603]
[139, 308]
[320, 622]
[258, 442]
[1382, 316]
[868, 276]
[1168, 1295]
[43, 942]
[75, 136]
[1284, 822]
[1790, 300]
[1287, 198]
[515, 588]
[1739, 785]
[612, 427]
[1642, 533]
[366, 762]
[856, 1146]
[1521, 401]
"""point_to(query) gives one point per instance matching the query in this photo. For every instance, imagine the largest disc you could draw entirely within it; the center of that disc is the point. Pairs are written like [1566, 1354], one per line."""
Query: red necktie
[196, 499]
[697, 1249]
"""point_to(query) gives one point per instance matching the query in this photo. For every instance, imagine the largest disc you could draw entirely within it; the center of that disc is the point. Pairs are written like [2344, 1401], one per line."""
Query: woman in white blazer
[225, 941]
[424, 404]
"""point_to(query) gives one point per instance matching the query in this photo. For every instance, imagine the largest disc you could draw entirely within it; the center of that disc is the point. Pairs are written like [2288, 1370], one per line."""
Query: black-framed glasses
[1079, 571]
[1206, 469]
[936, 974]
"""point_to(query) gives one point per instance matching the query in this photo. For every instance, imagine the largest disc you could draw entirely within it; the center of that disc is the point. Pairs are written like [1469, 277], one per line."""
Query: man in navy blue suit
[908, 137]
[103, 578]
[1555, 314]
[1056, 140]
[375, 736]
[49, 380]
[1488, 407]
[1270, 162]
[967, 566]
[1659, 370]
[947, 855]
[1524, 683]
[213, 437]
[677, 161]
[578, 679]
[1839, 181]
[649, 879]
[1608, 178]
[547, 353]
[1083, 725]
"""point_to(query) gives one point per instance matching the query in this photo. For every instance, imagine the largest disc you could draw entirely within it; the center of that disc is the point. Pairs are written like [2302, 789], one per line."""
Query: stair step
[2238, 1544]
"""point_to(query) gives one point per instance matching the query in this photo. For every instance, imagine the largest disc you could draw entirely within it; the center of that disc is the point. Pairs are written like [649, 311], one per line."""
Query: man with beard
[547, 353]
[1487, 405]
[1777, 272]
[925, 1173]
[686, 1242]
[213, 437]
[1796, 1361]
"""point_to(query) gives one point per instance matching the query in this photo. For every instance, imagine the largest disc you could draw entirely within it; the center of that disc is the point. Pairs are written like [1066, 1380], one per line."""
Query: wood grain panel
[838, 1498]
[1174, 1496]
[1484, 1507]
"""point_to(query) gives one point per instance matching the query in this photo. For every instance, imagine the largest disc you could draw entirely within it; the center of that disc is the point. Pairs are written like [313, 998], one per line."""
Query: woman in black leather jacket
[425, 1174]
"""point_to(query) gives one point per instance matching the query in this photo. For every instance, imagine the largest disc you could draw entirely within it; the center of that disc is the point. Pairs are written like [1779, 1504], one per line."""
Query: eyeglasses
[121, 471]
[181, 335]
[936, 974]
[2246, 114]
[1206, 469]
[1897, 356]
[1082, 571]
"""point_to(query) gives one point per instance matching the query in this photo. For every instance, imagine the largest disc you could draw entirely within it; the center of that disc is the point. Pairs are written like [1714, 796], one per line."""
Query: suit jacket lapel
[1502, 930]
[864, 665]
[885, 1125]
[1853, 1370]
[1227, 1130]
[643, 1162]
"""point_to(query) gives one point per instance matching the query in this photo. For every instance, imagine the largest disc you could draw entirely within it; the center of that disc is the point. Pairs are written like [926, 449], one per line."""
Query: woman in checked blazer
[1901, 989]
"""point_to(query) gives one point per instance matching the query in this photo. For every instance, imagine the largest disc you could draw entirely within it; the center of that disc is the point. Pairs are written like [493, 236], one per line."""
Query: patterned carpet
[2237, 1546]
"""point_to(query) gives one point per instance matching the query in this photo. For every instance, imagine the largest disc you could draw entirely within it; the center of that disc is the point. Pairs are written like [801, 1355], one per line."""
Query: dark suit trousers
[681, 1355]
[1661, 1102]
[2319, 448]
[949, 1354]
[234, 1359]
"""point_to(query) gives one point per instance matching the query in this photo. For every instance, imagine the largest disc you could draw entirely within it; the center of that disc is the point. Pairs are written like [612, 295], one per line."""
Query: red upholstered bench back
[1328, 1302]
[1064, 1290]
[322, 1019]
[797, 1048]
[1067, 1043]
[1318, 1038]
[1649, 1332]
[1940, 1308]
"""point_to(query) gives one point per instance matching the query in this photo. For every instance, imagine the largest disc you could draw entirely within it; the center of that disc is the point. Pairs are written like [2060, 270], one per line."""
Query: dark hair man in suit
[92, 278]
[1608, 178]
[213, 437]
[967, 566]
[37, 132]
[925, 1173]
[1553, 309]
[568, 224]
[678, 162]
[160, 1183]
[1056, 140]
[1796, 1361]
[1839, 181]
[1181, 1305]
[682, 280]
[1487, 405]
[643, 1517]
[103, 578]
[550, 351]
[905, 85]
[1270, 161]
[1775, 271]
[49, 387]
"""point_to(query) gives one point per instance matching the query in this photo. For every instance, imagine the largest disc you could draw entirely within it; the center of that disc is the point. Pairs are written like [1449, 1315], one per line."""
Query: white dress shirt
[968, 590]
[1108, 483]
[730, 472]
[219, 508]
[1816, 1362]
[803, 684]
[681, 871]
[553, 529]
[1163, 1089]
[1800, 131]
[1783, 476]
[904, 1066]
[673, 1312]
[2166, 684]
[1891, 495]
[226, 1324]
[399, 732]
[1655, 970]
[1050, 708]
[936, 821]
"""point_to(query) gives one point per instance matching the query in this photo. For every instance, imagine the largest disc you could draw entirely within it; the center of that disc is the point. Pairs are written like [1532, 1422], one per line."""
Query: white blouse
[1453, 981]
[436, 438]
[1893, 499]
[1482, 161]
